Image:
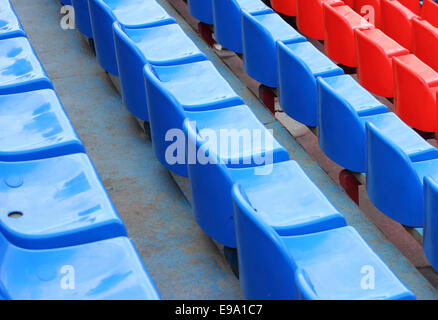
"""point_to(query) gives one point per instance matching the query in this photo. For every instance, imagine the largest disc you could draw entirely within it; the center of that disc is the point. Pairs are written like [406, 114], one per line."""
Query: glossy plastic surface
[82, 17]
[160, 45]
[344, 107]
[201, 10]
[425, 42]
[20, 69]
[340, 21]
[35, 126]
[58, 202]
[375, 51]
[10, 26]
[103, 270]
[129, 13]
[309, 267]
[398, 159]
[227, 17]
[416, 85]
[171, 90]
[397, 22]
[263, 31]
[299, 65]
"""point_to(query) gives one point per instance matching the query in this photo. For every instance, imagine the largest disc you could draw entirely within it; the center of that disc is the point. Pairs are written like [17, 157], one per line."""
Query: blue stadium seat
[55, 202]
[66, 2]
[332, 264]
[263, 31]
[227, 16]
[430, 232]
[201, 10]
[398, 160]
[129, 13]
[278, 187]
[104, 270]
[195, 86]
[344, 108]
[137, 46]
[10, 26]
[82, 17]
[20, 69]
[35, 126]
[299, 64]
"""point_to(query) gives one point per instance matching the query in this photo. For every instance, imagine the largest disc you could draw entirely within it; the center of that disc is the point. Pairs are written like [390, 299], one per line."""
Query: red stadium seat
[416, 88]
[374, 59]
[310, 16]
[371, 10]
[340, 23]
[286, 7]
[397, 22]
[429, 12]
[413, 5]
[425, 42]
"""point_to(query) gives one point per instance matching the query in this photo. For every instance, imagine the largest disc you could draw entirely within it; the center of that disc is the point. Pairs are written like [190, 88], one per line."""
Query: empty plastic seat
[82, 17]
[310, 16]
[398, 160]
[344, 108]
[413, 5]
[160, 45]
[340, 21]
[201, 10]
[279, 189]
[397, 22]
[196, 86]
[425, 42]
[10, 26]
[429, 12]
[263, 31]
[299, 65]
[103, 270]
[371, 10]
[314, 266]
[20, 69]
[34, 126]
[227, 15]
[416, 85]
[55, 202]
[430, 232]
[129, 13]
[374, 61]
[286, 7]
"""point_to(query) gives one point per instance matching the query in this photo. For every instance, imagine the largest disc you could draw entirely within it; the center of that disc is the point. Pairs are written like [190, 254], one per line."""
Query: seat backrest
[389, 170]
[265, 267]
[413, 5]
[430, 232]
[414, 101]
[396, 22]
[425, 42]
[429, 11]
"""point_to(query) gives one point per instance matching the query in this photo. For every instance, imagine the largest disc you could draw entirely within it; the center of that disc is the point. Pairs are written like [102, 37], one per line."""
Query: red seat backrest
[430, 12]
[397, 22]
[425, 42]
[415, 86]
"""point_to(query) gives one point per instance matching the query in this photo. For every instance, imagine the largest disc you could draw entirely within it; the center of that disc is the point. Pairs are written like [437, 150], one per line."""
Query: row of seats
[55, 215]
[253, 197]
[380, 55]
[355, 129]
